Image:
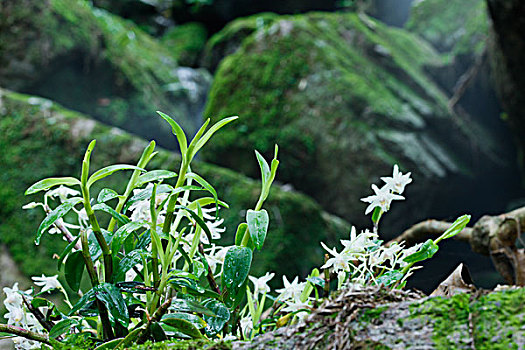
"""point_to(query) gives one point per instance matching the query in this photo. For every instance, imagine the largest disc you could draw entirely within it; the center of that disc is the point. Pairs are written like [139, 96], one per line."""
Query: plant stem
[209, 276]
[106, 253]
[38, 315]
[155, 318]
[21, 332]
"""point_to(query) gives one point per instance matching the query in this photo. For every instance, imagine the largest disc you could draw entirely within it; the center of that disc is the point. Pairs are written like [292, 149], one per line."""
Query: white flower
[260, 284]
[398, 181]
[32, 205]
[382, 198]
[22, 343]
[246, 324]
[391, 252]
[13, 297]
[62, 193]
[338, 263]
[15, 316]
[296, 305]
[215, 256]
[358, 244]
[291, 290]
[214, 229]
[47, 283]
[408, 252]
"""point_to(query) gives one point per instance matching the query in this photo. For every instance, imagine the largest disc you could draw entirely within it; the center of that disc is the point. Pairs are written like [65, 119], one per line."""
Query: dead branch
[494, 236]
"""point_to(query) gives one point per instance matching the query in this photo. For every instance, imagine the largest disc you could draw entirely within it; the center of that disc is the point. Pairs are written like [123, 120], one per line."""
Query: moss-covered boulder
[345, 97]
[375, 319]
[456, 27]
[186, 42]
[97, 63]
[40, 139]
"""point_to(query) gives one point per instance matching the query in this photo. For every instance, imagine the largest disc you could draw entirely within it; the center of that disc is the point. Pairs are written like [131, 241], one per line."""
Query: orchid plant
[157, 272]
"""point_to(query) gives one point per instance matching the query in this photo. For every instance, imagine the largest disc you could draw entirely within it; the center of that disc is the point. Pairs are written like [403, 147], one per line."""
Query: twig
[38, 315]
[65, 232]
[429, 229]
[25, 333]
[209, 276]
[163, 308]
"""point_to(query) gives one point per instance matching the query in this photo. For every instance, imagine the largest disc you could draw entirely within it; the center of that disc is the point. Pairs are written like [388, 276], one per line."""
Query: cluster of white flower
[385, 195]
[18, 315]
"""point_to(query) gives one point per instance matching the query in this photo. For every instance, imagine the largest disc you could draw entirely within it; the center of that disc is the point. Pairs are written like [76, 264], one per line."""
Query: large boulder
[98, 63]
[346, 97]
[40, 139]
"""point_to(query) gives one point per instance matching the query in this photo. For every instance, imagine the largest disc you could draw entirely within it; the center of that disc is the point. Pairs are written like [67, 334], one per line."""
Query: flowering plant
[157, 272]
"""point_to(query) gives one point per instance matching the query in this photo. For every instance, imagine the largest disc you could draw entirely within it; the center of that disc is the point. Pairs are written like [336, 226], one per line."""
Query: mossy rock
[40, 139]
[230, 38]
[345, 97]
[186, 42]
[97, 63]
[376, 320]
[457, 27]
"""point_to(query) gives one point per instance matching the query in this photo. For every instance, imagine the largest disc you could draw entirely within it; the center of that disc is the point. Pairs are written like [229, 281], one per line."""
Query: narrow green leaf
[46, 184]
[106, 194]
[102, 173]
[318, 281]
[66, 251]
[85, 162]
[426, 251]
[123, 232]
[94, 248]
[237, 263]
[56, 214]
[239, 235]
[62, 327]
[129, 261]
[376, 214]
[121, 219]
[265, 169]
[206, 185]
[198, 220]
[205, 201]
[109, 345]
[154, 175]
[202, 141]
[258, 226]
[86, 298]
[455, 228]
[110, 295]
[146, 194]
[74, 269]
[178, 132]
[197, 136]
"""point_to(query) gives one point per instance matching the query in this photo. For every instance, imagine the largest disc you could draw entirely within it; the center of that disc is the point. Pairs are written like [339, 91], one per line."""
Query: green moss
[186, 42]
[325, 85]
[41, 139]
[458, 26]
[184, 345]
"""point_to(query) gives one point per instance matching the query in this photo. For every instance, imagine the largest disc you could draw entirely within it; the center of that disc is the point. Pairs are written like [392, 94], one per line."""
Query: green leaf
[178, 132]
[217, 322]
[146, 194]
[106, 194]
[102, 173]
[390, 277]
[265, 169]
[121, 219]
[376, 214]
[184, 326]
[241, 229]
[198, 220]
[53, 216]
[62, 327]
[202, 141]
[131, 259]
[86, 298]
[109, 345]
[45, 184]
[455, 228]
[197, 136]
[110, 295]
[122, 233]
[66, 251]
[237, 263]
[206, 185]
[185, 305]
[258, 226]
[426, 251]
[198, 322]
[74, 269]
[94, 248]
[154, 175]
[315, 280]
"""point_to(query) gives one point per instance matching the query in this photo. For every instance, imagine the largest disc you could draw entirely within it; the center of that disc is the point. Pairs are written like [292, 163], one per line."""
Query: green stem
[154, 248]
[106, 253]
